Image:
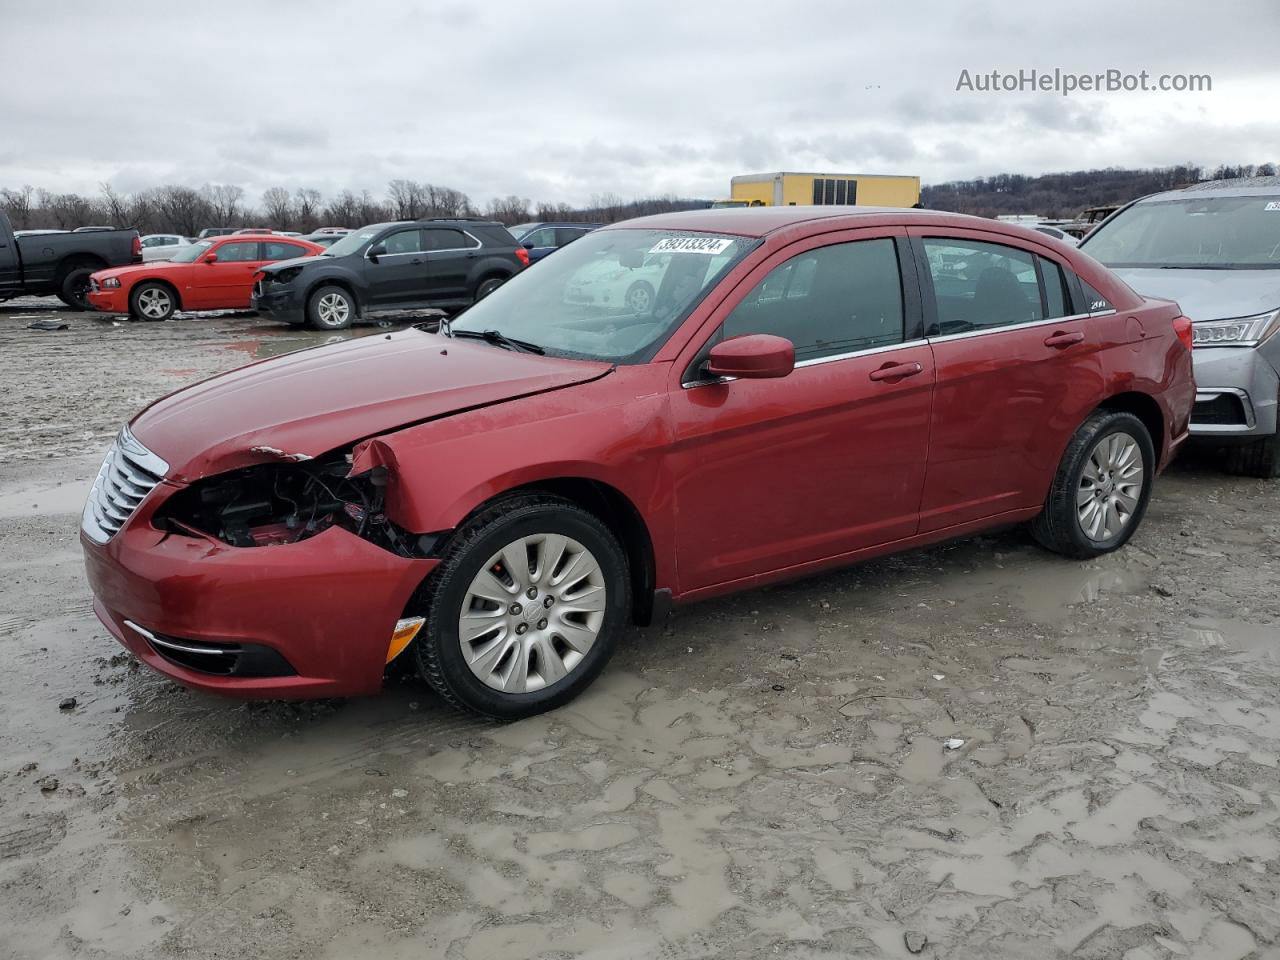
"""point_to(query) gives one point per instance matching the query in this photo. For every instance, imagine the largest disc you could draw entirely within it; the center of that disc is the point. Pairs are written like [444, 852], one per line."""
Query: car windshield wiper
[498, 338]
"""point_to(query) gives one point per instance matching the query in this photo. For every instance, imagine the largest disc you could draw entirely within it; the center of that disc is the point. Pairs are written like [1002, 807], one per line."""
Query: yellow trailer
[792, 189]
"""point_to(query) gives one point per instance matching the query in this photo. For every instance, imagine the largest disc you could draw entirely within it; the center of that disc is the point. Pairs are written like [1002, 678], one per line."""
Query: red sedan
[806, 388]
[214, 274]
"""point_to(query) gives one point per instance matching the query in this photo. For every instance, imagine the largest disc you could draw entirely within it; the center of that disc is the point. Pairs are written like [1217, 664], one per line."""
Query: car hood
[303, 404]
[1208, 294]
[150, 269]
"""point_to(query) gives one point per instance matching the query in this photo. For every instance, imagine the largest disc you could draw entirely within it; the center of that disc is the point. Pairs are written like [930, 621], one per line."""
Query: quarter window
[1095, 302]
[838, 299]
[241, 251]
[978, 286]
[1057, 297]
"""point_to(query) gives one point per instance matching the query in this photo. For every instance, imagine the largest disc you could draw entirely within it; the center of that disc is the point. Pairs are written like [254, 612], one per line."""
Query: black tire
[1059, 527]
[152, 300]
[639, 297]
[1258, 458]
[487, 286]
[73, 288]
[438, 650]
[331, 308]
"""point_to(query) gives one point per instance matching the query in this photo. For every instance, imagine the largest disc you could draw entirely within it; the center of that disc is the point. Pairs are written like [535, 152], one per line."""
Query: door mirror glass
[376, 251]
[757, 356]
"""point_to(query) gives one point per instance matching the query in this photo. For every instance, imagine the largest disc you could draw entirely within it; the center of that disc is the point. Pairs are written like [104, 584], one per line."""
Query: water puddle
[1235, 636]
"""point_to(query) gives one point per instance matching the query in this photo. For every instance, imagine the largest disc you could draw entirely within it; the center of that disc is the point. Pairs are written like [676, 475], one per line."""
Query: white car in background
[608, 283]
[162, 246]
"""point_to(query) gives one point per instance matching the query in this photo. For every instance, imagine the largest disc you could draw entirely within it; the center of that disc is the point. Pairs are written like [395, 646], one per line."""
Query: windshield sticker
[709, 246]
[1274, 205]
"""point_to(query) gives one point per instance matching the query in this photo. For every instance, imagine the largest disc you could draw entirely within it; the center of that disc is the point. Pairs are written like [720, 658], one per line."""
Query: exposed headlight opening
[275, 504]
[1236, 331]
[111, 283]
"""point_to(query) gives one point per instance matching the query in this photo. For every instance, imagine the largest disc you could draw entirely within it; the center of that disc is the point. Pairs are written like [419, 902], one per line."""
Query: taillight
[1182, 328]
[137, 246]
[523, 254]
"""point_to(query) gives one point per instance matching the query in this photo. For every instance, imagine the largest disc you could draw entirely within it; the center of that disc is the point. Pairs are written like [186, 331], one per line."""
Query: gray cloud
[560, 100]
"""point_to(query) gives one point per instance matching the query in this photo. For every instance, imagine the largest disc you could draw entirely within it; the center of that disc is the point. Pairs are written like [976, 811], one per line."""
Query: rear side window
[1057, 295]
[282, 251]
[241, 251]
[979, 286]
[546, 237]
[440, 238]
[829, 301]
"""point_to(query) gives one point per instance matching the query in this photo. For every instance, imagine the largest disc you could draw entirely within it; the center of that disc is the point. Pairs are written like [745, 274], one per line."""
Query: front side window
[1221, 233]
[242, 251]
[403, 241]
[566, 235]
[612, 295]
[978, 286]
[828, 301]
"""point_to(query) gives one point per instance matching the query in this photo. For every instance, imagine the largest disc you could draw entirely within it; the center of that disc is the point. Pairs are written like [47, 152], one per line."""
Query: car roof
[762, 221]
[1234, 187]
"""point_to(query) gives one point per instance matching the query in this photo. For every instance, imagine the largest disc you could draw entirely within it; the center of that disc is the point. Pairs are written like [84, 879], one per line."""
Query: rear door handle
[1063, 339]
[896, 371]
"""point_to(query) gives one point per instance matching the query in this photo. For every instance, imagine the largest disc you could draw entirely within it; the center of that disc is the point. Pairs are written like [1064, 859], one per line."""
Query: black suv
[448, 264]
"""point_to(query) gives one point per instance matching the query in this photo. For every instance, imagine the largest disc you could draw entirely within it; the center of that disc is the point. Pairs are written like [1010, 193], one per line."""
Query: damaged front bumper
[316, 615]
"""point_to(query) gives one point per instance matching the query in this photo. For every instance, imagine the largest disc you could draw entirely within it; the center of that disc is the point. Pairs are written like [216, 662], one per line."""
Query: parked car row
[804, 388]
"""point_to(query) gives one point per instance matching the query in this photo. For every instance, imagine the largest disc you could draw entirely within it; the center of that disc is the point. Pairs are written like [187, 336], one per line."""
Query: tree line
[187, 210]
[1064, 195]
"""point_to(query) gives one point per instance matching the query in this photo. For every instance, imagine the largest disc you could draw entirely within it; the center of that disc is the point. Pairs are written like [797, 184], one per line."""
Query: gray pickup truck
[60, 263]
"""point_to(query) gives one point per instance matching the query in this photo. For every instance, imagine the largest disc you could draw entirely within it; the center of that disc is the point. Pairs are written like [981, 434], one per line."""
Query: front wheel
[525, 608]
[152, 301]
[73, 289]
[1100, 492]
[331, 308]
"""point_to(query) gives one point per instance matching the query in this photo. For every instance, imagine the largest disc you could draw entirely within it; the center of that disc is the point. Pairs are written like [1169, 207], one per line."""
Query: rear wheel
[1100, 492]
[331, 308]
[488, 286]
[73, 288]
[152, 301]
[525, 608]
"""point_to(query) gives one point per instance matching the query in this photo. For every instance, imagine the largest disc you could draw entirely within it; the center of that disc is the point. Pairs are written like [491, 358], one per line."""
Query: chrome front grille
[128, 474]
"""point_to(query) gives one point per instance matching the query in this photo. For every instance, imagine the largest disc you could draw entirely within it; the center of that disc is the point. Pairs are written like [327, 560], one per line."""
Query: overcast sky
[559, 101]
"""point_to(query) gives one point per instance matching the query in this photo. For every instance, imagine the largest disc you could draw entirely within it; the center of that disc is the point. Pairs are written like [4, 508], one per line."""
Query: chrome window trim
[419, 253]
[1030, 324]
[1209, 393]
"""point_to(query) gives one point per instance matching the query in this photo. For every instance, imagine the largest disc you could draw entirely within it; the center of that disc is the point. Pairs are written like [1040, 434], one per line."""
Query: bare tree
[225, 201]
[182, 209]
[509, 210]
[307, 208]
[278, 206]
[17, 205]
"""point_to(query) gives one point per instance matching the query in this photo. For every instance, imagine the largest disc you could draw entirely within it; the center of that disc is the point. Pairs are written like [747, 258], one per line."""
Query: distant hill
[1063, 195]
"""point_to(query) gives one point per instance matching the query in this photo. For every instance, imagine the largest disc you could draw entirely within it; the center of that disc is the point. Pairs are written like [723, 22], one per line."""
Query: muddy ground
[765, 776]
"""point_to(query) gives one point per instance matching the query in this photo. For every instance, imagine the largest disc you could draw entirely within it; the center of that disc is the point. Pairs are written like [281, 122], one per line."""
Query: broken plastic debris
[955, 743]
[277, 452]
[49, 325]
[939, 676]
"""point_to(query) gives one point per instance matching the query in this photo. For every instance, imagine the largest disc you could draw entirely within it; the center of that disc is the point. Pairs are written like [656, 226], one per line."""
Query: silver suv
[1214, 248]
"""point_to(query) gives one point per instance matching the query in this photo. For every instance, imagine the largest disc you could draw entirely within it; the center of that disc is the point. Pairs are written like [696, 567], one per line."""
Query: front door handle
[417, 261]
[896, 371]
[1061, 339]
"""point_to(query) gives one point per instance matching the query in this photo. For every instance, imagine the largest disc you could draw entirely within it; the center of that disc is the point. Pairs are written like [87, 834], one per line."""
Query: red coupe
[806, 388]
[214, 274]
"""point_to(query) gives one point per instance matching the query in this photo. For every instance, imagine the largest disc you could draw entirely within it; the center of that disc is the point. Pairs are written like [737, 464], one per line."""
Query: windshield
[350, 243]
[1238, 233]
[190, 254]
[613, 295]
[520, 229]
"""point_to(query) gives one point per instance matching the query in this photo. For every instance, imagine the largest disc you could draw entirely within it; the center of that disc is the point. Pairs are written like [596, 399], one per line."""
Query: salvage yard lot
[768, 775]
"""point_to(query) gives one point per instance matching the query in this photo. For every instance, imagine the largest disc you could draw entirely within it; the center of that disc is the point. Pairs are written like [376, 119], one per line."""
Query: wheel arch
[339, 281]
[1145, 408]
[75, 261]
[164, 282]
[617, 512]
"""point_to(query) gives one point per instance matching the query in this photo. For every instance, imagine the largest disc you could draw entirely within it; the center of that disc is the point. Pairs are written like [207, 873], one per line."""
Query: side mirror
[527, 245]
[756, 356]
[376, 251]
[210, 258]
